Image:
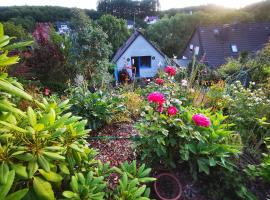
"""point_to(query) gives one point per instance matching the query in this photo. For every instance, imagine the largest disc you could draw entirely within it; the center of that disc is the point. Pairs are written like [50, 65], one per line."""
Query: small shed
[139, 57]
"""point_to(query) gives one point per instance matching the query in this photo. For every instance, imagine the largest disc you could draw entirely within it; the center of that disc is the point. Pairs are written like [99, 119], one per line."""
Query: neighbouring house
[62, 27]
[214, 44]
[130, 24]
[139, 57]
[151, 19]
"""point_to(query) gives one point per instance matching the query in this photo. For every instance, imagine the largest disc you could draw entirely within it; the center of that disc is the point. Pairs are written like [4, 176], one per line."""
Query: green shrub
[247, 108]
[99, 108]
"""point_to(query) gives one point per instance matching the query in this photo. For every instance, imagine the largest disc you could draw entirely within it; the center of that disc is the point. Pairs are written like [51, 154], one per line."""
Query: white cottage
[139, 57]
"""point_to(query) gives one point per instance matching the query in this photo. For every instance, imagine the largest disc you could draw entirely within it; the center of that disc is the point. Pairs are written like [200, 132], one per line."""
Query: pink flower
[201, 120]
[171, 71]
[172, 111]
[47, 91]
[156, 97]
[159, 81]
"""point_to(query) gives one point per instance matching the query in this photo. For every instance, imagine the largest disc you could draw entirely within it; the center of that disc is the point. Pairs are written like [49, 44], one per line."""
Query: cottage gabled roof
[216, 41]
[129, 42]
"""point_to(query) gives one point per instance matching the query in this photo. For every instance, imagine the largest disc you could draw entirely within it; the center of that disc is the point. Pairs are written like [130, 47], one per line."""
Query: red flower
[172, 111]
[156, 97]
[201, 120]
[171, 71]
[159, 81]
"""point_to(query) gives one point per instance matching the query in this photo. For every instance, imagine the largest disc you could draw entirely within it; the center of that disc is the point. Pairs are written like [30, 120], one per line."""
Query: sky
[165, 4]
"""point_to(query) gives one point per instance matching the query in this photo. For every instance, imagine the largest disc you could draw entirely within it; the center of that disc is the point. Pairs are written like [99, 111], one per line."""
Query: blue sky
[165, 4]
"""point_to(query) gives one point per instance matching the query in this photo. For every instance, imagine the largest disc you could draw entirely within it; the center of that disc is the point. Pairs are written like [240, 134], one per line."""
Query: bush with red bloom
[201, 120]
[159, 81]
[47, 91]
[156, 97]
[171, 71]
[172, 111]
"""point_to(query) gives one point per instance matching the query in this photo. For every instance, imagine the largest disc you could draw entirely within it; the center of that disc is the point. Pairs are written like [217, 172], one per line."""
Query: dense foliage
[116, 30]
[128, 8]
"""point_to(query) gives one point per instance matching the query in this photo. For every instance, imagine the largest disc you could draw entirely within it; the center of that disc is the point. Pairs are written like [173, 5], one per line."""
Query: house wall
[141, 47]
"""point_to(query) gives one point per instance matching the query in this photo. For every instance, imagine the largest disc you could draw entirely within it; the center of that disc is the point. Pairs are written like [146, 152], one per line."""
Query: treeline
[28, 16]
[127, 9]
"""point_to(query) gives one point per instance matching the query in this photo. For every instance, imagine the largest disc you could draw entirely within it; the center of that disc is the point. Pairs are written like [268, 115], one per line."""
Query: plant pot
[167, 187]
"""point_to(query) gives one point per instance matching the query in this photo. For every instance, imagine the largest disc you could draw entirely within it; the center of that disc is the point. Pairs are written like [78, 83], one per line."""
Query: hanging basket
[167, 187]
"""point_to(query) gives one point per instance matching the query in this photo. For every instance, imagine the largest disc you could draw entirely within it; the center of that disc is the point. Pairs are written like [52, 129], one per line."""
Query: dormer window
[191, 47]
[197, 49]
[234, 48]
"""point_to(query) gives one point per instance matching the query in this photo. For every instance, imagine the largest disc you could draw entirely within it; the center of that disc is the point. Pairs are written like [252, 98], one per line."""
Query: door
[140, 62]
[136, 66]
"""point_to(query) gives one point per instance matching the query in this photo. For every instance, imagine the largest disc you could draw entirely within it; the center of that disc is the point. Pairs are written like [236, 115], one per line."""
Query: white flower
[184, 82]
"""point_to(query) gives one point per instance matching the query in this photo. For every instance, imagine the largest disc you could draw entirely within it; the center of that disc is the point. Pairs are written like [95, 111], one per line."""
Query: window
[191, 47]
[234, 48]
[197, 49]
[145, 61]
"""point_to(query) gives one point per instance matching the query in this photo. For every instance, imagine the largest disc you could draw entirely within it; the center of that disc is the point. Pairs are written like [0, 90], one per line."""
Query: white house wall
[141, 47]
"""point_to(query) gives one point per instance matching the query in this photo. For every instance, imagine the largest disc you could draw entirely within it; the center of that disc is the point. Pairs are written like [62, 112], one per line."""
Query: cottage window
[234, 48]
[145, 61]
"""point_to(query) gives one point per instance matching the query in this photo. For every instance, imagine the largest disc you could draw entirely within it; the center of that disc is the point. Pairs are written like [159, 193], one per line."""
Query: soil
[115, 149]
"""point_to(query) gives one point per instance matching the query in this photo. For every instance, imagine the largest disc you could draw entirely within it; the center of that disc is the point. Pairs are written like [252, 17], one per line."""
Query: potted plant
[167, 187]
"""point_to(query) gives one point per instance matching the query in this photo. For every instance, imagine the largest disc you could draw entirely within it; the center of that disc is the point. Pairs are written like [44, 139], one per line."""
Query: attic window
[234, 48]
[197, 49]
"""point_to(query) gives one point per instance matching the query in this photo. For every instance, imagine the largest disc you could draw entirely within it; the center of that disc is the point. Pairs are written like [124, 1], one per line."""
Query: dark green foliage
[128, 8]
[116, 30]
[226, 185]
[99, 108]
[27, 16]
[91, 49]
[16, 30]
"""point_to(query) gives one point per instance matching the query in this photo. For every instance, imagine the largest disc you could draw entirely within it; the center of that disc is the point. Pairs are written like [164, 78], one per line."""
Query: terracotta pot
[167, 187]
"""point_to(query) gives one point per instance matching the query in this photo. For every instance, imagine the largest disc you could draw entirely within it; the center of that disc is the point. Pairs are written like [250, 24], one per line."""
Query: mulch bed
[116, 149]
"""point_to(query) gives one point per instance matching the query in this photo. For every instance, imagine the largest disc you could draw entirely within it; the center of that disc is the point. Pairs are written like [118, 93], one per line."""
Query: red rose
[156, 97]
[171, 71]
[159, 81]
[201, 120]
[172, 111]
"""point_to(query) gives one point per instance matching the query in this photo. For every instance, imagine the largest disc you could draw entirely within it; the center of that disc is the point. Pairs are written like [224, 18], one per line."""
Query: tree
[128, 8]
[91, 49]
[116, 30]
[17, 31]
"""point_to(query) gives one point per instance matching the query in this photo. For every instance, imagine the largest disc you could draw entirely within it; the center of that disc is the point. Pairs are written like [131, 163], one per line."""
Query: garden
[186, 134]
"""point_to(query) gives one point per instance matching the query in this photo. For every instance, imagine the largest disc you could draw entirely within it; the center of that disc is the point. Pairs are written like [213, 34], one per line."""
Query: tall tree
[127, 9]
[116, 30]
[91, 48]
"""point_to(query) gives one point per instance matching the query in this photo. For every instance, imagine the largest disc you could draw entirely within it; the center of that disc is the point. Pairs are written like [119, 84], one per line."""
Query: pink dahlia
[201, 120]
[156, 97]
[171, 71]
[159, 81]
[172, 111]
